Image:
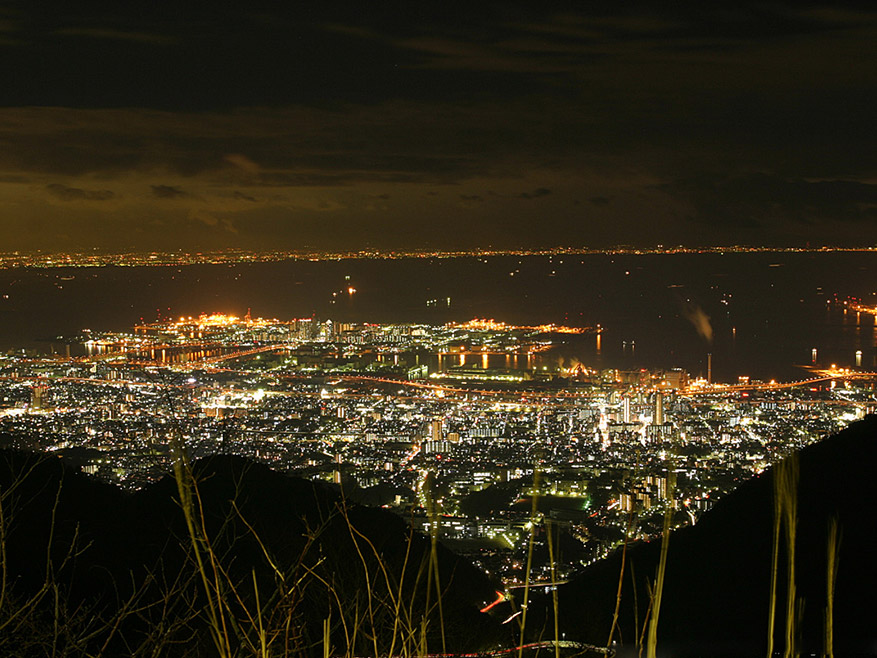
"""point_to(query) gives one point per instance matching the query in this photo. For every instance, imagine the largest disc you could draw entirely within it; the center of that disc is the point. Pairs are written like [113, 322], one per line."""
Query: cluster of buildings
[474, 431]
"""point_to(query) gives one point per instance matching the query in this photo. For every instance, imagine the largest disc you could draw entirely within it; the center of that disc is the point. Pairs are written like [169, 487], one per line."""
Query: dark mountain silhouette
[716, 596]
[110, 555]
[117, 568]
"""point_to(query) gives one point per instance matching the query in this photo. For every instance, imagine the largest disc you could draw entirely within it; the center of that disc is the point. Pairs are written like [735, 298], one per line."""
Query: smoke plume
[701, 321]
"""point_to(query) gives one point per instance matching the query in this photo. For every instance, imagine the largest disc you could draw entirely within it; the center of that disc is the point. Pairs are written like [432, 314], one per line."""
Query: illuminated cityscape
[458, 418]
[504, 292]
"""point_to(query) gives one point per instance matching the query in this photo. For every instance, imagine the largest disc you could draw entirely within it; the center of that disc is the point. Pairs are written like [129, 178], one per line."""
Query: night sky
[436, 125]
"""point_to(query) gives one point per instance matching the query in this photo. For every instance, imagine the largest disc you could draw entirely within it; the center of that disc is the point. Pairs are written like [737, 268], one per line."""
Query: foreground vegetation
[231, 559]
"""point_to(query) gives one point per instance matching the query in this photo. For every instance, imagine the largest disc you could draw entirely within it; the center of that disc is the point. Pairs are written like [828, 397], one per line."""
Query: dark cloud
[222, 224]
[168, 192]
[535, 194]
[331, 54]
[244, 197]
[761, 199]
[470, 200]
[322, 110]
[302, 179]
[65, 193]
[242, 162]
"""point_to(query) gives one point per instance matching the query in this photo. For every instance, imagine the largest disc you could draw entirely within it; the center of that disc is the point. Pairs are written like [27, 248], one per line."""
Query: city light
[467, 407]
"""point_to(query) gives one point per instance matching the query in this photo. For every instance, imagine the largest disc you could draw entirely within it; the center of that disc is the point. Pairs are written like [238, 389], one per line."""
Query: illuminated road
[513, 397]
[237, 355]
[774, 386]
[523, 397]
[500, 597]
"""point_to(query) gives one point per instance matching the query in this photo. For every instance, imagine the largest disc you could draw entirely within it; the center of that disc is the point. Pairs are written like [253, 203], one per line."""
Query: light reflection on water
[757, 314]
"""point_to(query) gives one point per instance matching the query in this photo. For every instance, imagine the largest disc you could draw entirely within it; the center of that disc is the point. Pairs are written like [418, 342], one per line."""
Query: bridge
[775, 386]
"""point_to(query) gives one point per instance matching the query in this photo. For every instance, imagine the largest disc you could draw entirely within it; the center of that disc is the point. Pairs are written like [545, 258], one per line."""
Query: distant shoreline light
[46, 260]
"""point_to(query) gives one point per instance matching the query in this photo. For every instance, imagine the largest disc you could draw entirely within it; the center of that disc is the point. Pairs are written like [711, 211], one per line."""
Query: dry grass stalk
[630, 521]
[785, 517]
[789, 502]
[534, 510]
[554, 602]
[774, 563]
[834, 538]
[652, 639]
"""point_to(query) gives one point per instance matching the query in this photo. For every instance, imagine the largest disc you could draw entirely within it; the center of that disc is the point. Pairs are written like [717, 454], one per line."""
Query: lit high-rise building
[38, 396]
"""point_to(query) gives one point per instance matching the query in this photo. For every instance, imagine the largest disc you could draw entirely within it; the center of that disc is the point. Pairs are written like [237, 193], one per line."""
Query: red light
[500, 597]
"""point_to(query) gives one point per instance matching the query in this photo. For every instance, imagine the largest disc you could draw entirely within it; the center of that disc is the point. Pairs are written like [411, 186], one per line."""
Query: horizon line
[230, 255]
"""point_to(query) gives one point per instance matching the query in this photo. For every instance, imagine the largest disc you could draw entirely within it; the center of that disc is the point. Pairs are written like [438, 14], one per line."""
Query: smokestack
[709, 367]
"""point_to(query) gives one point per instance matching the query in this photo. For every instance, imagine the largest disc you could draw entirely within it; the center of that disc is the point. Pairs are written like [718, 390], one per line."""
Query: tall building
[38, 396]
[659, 408]
[305, 329]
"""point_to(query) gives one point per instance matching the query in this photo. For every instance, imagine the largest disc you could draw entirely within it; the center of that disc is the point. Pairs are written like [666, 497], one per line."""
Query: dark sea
[760, 315]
